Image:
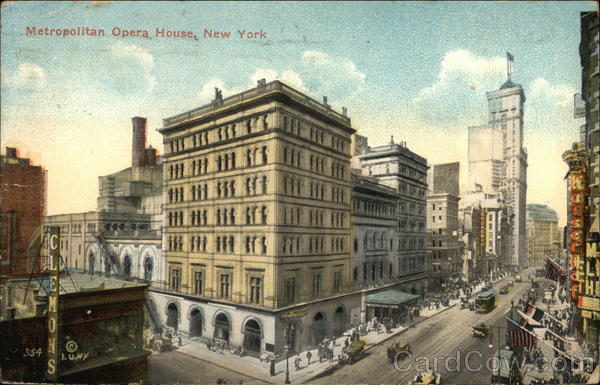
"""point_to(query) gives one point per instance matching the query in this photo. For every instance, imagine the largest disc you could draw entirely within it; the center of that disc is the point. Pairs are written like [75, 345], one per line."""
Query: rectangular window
[255, 289]
[316, 287]
[198, 282]
[337, 281]
[225, 287]
[175, 279]
[290, 290]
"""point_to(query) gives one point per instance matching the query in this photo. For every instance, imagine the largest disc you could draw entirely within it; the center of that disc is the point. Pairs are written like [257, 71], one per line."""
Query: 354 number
[32, 352]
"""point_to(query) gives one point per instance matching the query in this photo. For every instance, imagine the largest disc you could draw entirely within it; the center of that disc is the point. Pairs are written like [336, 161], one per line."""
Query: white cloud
[28, 75]
[288, 76]
[130, 69]
[466, 69]
[558, 94]
[336, 77]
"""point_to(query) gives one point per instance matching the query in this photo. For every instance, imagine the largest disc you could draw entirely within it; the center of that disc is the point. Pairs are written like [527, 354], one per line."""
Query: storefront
[390, 304]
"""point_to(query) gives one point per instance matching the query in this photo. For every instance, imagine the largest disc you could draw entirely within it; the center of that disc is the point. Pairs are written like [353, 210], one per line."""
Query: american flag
[555, 272]
[520, 333]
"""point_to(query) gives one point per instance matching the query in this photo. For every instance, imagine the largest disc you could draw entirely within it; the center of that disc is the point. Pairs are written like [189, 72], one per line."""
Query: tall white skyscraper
[498, 160]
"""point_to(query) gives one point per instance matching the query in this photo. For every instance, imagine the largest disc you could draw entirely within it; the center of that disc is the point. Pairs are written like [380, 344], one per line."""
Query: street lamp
[288, 334]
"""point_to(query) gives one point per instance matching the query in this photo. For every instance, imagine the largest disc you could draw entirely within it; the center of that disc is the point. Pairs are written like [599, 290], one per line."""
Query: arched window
[249, 157]
[263, 215]
[248, 215]
[148, 267]
[226, 162]
[225, 189]
[264, 184]
[230, 243]
[233, 160]
[232, 216]
[264, 155]
[232, 188]
[218, 216]
[254, 185]
[263, 245]
[254, 209]
[219, 163]
[285, 155]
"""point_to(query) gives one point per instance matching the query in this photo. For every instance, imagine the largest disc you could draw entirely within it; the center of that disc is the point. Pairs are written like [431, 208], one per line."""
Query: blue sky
[415, 70]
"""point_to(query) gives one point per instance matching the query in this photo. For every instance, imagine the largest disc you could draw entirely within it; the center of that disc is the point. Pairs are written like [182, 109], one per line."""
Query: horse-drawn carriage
[353, 351]
[398, 350]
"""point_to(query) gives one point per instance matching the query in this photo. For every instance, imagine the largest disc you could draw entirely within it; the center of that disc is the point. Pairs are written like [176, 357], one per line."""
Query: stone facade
[257, 195]
[396, 166]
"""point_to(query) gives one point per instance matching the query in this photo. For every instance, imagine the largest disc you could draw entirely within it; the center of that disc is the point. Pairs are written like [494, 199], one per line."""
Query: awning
[392, 297]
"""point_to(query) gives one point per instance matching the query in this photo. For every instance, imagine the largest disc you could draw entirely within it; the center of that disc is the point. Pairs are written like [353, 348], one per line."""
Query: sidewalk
[252, 367]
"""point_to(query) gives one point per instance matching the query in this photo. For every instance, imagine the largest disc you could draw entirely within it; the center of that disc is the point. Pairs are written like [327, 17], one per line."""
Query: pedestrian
[330, 355]
[346, 343]
[297, 362]
[308, 357]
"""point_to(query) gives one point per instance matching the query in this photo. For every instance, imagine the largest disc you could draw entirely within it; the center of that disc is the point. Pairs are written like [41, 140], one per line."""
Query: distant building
[375, 224]
[543, 234]
[396, 166]
[124, 236]
[472, 229]
[498, 160]
[495, 225]
[22, 207]
[443, 242]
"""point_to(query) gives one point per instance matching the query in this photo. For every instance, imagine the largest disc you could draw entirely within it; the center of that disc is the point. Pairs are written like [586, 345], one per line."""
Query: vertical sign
[52, 369]
[577, 224]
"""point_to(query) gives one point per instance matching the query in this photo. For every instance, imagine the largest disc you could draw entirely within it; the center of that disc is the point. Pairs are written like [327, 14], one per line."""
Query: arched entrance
[339, 321]
[319, 327]
[252, 337]
[127, 266]
[172, 316]
[195, 323]
[222, 327]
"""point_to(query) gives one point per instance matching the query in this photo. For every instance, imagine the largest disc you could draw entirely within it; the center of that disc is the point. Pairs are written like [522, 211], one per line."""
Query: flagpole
[536, 336]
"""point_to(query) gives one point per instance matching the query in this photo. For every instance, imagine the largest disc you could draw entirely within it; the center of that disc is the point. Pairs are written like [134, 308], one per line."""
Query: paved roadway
[447, 334]
[176, 368]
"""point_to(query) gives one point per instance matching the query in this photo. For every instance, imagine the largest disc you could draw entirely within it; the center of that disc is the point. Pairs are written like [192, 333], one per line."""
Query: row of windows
[254, 244]
[404, 225]
[222, 133]
[224, 284]
[255, 215]
[291, 288]
[226, 189]
[373, 207]
[176, 171]
[200, 166]
[378, 240]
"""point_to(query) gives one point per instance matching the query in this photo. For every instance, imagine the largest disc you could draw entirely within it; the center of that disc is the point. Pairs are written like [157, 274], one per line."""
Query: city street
[444, 335]
[174, 367]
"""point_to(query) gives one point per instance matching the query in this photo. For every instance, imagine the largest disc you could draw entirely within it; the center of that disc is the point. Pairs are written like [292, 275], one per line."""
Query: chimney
[151, 156]
[138, 143]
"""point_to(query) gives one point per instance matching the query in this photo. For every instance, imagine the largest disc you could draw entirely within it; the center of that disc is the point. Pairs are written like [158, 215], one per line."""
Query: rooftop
[275, 86]
[538, 212]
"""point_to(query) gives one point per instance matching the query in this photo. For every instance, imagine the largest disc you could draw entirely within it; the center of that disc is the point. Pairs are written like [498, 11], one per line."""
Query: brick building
[22, 207]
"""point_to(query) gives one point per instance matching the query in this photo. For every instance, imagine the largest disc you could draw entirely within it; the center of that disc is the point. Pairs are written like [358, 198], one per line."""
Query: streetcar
[486, 301]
